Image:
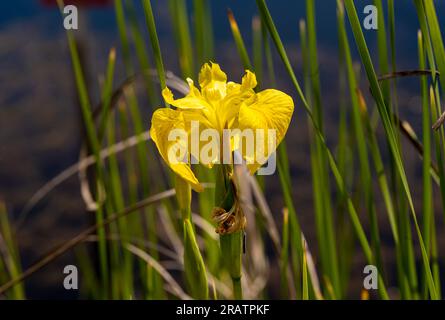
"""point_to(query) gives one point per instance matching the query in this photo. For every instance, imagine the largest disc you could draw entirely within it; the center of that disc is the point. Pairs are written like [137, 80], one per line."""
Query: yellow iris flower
[221, 105]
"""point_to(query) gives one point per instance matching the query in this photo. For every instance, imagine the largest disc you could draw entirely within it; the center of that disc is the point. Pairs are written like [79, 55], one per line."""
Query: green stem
[231, 243]
[237, 290]
[194, 267]
[231, 248]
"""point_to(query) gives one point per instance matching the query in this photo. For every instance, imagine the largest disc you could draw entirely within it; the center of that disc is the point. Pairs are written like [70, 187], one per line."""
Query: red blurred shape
[80, 3]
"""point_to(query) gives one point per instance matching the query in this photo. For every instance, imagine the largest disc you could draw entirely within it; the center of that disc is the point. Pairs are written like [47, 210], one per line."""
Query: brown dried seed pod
[228, 222]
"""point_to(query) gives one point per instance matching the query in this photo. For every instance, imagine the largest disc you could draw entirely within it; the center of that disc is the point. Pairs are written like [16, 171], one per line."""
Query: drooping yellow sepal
[163, 127]
[268, 110]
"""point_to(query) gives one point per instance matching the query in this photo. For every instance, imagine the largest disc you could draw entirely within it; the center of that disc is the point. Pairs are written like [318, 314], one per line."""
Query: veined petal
[163, 123]
[268, 110]
[193, 100]
[212, 81]
[229, 107]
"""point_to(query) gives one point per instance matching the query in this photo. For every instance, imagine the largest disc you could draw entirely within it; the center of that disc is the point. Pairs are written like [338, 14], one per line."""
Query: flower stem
[194, 267]
[231, 243]
[237, 289]
[231, 248]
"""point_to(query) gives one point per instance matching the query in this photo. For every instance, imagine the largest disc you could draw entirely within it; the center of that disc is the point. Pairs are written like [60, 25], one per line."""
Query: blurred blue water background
[287, 13]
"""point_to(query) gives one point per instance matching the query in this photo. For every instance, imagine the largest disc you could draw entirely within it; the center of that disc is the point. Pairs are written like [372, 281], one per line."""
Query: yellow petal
[268, 110]
[163, 122]
[193, 100]
[212, 81]
[249, 81]
[236, 94]
[201, 147]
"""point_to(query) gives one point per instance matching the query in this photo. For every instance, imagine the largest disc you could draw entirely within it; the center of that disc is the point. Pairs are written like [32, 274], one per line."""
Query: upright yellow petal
[213, 82]
[268, 110]
[163, 123]
[249, 81]
[229, 107]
